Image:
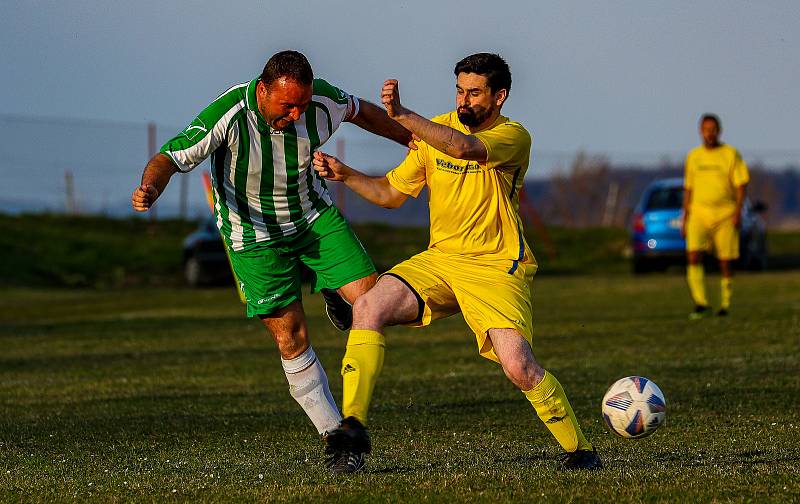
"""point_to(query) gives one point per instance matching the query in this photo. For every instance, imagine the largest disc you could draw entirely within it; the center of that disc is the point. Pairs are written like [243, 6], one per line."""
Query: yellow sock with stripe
[726, 285]
[362, 363]
[553, 408]
[695, 277]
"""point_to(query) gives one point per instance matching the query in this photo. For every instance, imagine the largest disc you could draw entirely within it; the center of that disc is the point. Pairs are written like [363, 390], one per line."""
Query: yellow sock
[695, 278]
[726, 285]
[552, 406]
[362, 363]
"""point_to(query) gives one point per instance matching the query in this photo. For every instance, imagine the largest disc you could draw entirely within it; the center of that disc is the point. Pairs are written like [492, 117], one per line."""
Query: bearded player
[473, 161]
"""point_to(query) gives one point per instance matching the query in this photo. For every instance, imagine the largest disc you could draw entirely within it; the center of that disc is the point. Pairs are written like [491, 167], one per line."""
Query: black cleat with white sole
[345, 462]
[347, 447]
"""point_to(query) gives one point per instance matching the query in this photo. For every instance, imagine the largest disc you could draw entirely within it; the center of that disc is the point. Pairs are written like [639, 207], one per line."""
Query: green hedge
[56, 250]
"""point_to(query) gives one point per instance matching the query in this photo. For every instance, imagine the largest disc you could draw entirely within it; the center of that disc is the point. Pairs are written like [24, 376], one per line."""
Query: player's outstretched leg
[546, 396]
[363, 360]
[388, 303]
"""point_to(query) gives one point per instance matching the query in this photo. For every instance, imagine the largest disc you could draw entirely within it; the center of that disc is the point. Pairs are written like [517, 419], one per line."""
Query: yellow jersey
[713, 176]
[474, 207]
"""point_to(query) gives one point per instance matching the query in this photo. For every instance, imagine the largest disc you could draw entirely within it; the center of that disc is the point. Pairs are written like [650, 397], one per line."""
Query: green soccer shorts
[269, 273]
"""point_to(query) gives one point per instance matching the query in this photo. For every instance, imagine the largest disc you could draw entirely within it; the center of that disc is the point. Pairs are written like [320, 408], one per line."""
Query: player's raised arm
[154, 180]
[376, 190]
[372, 118]
[440, 137]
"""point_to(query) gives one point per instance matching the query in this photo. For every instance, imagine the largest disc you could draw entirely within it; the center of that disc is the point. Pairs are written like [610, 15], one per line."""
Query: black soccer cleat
[700, 312]
[347, 447]
[722, 312]
[339, 311]
[345, 462]
[350, 435]
[587, 460]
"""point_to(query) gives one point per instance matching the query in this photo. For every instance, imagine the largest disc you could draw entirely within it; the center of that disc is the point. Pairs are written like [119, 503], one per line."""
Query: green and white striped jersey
[264, 186]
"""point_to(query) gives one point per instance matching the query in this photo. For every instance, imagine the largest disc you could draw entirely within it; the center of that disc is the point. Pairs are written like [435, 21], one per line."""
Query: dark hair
[711, 117]
[290, 64]
[491, 66]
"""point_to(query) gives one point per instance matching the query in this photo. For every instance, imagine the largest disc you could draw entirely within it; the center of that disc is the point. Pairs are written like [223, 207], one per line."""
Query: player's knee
[291, 341]
[694, 257]
[367, 309]
[520, 373]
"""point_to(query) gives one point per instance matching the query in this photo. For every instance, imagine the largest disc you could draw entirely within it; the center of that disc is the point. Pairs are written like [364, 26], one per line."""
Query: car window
[665, 198]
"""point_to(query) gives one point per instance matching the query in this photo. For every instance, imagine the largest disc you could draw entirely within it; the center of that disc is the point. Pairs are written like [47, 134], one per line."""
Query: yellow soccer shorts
[487, 293]
[706, 228]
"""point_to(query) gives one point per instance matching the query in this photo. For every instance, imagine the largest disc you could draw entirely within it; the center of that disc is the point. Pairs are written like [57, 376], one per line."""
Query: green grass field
[172, 395]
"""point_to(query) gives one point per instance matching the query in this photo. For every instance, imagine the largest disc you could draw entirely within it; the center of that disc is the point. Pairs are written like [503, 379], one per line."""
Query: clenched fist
[329, 167]
[390, 97]
[143, 197]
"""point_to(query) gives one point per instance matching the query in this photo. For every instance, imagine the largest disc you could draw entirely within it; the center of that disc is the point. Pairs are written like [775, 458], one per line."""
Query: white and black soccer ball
[634, 407]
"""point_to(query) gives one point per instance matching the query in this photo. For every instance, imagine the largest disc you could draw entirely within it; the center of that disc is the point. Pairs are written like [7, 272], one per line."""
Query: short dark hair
[491, 66]
[290, 64]
[711, 117]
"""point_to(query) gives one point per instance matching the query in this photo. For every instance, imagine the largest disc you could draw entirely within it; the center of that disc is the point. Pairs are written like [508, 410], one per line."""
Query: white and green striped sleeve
[206, 132]
[341, 106]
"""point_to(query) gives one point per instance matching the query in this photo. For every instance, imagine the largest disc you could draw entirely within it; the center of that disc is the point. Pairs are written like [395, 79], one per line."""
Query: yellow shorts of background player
[485, 292]
[706, 228]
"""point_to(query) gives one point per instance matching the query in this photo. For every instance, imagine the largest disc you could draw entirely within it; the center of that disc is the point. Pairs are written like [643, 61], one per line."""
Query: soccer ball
[634, 407]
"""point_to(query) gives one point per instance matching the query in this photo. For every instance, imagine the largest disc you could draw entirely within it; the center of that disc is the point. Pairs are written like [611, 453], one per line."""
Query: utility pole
[69, 185]
[611, 204]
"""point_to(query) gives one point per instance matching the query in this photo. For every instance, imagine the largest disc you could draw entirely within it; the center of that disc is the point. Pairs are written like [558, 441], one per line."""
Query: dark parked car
[656, 230]
[204, 259]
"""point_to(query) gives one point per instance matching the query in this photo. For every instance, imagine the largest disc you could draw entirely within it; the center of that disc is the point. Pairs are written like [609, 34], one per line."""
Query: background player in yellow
[715, 182]
[473, 161]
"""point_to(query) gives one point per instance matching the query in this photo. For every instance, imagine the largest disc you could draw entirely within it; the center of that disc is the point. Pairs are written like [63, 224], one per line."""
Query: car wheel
[641, 265]
[193, 272]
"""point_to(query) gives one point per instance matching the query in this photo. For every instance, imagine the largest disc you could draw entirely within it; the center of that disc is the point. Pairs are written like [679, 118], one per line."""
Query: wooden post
[69, 186]
[611, 204]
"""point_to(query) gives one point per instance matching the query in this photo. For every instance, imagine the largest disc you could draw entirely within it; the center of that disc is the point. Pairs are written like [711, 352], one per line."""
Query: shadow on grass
[121, 361]
[169, 418]
[406, 469]
[706, 459]
[783, 262]
[496, 461]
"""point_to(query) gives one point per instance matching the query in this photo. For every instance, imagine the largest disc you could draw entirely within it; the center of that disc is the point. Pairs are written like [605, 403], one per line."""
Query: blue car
[656, 230]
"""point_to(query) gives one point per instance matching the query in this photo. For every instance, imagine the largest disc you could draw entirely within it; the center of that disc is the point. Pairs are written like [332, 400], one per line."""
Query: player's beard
[472, 116]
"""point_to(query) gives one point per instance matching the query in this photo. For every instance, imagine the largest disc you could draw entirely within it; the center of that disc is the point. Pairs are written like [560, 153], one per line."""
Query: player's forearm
[158, 172]
[375, 120]
[443, 138]
[376, 190]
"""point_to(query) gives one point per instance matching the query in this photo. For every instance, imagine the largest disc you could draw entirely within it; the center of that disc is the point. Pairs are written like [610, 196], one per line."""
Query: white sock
[308, 384]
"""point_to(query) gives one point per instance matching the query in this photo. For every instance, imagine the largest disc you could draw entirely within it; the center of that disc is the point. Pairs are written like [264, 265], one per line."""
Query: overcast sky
[617, 76]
